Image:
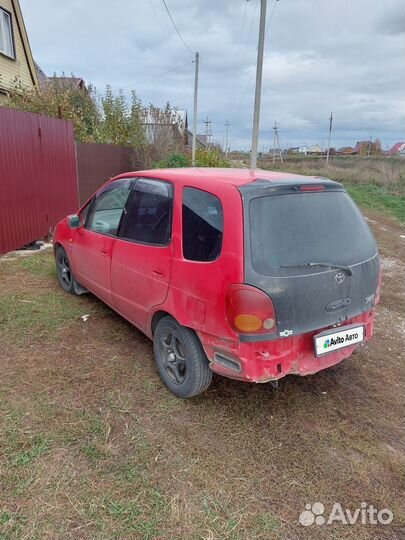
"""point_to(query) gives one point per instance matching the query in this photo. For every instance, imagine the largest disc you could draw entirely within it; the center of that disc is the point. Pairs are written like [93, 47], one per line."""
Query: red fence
[38, 177]
[97, 163]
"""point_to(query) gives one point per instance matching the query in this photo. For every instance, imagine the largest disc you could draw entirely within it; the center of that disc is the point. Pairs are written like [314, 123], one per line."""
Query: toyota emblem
[340, 277]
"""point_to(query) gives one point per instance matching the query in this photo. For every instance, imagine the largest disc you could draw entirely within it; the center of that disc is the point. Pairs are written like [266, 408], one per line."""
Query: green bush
[172, 161]
[203, 158]
[210, 158]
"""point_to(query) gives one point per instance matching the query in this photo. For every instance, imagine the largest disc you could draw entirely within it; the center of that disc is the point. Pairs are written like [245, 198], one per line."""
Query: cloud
[321, 56]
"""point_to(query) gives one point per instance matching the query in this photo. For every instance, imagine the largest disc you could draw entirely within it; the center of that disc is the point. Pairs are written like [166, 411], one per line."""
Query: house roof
[62, 81]
[202, 139]
[362, 144]
[397, 147]
[42, 78]
[346, 149]
[73, 82]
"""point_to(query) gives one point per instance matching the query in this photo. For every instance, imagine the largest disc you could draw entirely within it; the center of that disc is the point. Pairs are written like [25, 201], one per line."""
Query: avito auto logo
[339, 339]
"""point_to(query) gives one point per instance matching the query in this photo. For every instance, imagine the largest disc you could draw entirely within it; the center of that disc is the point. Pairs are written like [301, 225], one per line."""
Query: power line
[271, 15]
[157, 75]
[177, 30]
[237, 60]
[160, 24]
[244, 94]
[237, 95]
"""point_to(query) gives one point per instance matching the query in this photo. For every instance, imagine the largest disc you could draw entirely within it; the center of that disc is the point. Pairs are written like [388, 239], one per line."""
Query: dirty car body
[273, 273]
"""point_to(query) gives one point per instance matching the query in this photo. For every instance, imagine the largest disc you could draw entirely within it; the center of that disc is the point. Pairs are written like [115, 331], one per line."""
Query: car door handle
[104, 251]
[158, 273]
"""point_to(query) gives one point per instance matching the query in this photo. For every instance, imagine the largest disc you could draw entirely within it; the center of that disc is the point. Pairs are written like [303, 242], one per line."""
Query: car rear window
[203, 225]
[294, 229]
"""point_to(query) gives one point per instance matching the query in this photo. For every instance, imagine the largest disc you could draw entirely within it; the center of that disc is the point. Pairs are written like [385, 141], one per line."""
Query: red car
[254, 275]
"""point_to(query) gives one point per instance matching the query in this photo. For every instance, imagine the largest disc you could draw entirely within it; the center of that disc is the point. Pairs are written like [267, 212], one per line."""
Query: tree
[59, 98]
[376, 147]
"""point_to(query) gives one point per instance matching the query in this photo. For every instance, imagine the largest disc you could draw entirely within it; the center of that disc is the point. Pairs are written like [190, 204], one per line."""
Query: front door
[93, 245]
[141, 266]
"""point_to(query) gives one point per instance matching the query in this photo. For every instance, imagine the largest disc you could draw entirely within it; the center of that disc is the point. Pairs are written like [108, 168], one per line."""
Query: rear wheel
[180, 359]
[64, 270]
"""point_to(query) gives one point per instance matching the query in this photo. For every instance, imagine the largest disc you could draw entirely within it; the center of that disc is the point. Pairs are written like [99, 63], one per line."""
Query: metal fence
[97, 163]
[38, 176]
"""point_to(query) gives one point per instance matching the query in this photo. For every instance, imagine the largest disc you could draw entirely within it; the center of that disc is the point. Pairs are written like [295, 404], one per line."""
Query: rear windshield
[299, 228]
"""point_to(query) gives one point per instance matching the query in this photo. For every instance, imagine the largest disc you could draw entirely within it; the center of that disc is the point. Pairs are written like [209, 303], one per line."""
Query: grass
[41, 314]
[93, 446]
[39, 266]
[378, 198]
[375, 183]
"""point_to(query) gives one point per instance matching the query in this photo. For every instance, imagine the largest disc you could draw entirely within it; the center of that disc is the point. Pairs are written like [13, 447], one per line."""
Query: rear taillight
[378, 291]
[249, 310]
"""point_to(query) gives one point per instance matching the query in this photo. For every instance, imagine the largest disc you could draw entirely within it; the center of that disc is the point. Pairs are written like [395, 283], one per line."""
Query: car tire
[64, 271]
[180, 359]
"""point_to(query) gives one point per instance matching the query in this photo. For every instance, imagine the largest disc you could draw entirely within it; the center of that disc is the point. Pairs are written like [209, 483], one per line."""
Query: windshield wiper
[343, 267]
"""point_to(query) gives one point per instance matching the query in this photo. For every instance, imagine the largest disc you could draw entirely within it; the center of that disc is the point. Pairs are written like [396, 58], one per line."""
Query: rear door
[141, 265]
[292, 235]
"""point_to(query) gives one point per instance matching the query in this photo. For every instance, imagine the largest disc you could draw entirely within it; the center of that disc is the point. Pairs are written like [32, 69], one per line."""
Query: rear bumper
[271, 360]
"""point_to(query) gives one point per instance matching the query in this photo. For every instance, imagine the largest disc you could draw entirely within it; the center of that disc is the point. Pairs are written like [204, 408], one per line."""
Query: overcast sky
[345, 56]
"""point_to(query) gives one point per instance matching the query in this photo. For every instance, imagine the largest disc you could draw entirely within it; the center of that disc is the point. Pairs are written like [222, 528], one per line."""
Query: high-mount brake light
[250, 310]
[312, 187]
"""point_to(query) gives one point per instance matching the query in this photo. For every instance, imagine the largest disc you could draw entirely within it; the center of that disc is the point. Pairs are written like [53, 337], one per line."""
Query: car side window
[106, 210]
[149, 219]
[203, 225]
[83, 214]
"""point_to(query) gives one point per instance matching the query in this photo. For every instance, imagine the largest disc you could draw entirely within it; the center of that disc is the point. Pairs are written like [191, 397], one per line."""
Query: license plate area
[333, 340]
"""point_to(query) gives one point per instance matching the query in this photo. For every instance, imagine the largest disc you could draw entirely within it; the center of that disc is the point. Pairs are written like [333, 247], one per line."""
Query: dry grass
[376, 182]
[94, 447]
[384, 172]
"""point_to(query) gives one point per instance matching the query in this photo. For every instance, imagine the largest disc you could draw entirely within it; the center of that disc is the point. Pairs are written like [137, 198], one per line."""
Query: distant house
[346, 151]
[164, 127]
[201, 140]
[69, 82]
[16, 61]
[303, 150]
[363, 148]
[315, 149]
[397, 149]
[61, 81]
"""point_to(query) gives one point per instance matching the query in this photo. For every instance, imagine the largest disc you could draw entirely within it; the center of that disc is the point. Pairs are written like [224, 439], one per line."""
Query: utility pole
[276, 140]
[227, 124]
[258, 91]
[208, 132]
[330, 133]
[369, 146]
[196, 61]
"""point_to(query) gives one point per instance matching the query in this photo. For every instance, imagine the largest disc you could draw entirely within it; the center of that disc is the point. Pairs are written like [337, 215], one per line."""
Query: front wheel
[180, 359]
[64, 270]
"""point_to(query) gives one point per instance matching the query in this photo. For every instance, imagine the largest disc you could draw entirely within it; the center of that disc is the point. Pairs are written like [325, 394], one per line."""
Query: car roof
[204, 176]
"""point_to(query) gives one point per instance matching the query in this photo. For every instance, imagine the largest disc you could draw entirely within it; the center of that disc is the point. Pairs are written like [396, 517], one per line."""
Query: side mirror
[74, 221]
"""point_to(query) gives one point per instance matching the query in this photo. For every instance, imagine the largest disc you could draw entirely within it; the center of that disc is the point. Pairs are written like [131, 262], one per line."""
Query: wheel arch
[159, 314]
[156, 317]
[55, 247]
